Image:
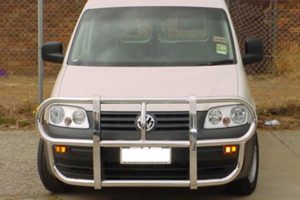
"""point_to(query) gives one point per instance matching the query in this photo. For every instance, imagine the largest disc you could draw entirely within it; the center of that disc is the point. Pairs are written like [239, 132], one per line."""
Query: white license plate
[145, 155]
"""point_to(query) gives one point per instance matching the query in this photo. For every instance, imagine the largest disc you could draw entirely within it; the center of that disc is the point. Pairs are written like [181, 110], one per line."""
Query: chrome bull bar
[192, 144]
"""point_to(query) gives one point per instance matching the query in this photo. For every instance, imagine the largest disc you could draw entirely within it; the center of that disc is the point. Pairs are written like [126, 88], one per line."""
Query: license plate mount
[145, 155]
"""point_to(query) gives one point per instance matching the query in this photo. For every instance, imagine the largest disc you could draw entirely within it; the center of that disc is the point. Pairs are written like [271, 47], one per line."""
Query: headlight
[239, 114]
[57, 114]
[214, 116]
[79, 116]
[227, 116]
[68, 116]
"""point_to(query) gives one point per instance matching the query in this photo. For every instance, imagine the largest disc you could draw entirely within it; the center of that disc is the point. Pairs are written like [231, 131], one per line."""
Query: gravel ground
[19, 177]
[279, 173]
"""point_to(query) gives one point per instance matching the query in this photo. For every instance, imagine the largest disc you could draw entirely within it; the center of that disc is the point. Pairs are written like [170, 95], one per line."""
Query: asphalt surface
[279, 176]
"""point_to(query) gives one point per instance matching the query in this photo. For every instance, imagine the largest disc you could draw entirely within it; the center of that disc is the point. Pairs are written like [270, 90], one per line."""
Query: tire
[247, 185]
[50, 182]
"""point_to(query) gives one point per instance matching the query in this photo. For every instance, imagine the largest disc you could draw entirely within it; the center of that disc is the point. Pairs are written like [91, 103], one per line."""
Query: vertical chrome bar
[143, 121]
[96, 142]
[193, 143]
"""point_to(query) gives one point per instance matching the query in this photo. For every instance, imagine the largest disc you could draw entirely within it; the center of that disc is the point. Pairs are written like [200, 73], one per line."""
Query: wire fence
[277, 24]
[255, 20]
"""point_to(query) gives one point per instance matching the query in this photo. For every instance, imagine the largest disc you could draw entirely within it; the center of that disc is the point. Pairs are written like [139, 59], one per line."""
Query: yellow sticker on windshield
[221, 49]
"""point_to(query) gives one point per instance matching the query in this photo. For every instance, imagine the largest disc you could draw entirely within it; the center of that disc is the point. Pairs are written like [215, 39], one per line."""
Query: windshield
[153, 36]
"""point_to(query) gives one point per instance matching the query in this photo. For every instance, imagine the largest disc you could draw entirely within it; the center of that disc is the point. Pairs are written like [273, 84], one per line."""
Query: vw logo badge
[150, 122]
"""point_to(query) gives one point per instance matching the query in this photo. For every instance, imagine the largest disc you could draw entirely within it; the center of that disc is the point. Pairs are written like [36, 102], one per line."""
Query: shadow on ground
[147, 194]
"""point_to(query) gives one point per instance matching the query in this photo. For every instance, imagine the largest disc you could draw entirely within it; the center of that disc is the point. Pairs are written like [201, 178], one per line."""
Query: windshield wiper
[219, 62]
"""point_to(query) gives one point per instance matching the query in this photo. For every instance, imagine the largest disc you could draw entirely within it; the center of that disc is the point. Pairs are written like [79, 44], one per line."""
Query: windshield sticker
[220, 40]
[221, 49]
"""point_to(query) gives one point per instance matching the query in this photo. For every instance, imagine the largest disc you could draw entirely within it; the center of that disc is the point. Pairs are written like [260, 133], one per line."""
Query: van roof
[91, 4]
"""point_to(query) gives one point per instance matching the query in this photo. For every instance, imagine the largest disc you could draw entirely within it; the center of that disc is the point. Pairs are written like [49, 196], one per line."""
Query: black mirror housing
[53, 52]
[254, 51]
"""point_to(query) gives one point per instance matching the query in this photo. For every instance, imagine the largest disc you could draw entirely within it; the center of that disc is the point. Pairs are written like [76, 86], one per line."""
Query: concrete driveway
[279, 173]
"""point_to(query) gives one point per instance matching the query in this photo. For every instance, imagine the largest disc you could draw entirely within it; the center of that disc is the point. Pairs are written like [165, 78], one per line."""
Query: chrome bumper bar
[97, 143]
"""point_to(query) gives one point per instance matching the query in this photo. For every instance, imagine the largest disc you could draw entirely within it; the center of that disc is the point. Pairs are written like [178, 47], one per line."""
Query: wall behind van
[18, 32]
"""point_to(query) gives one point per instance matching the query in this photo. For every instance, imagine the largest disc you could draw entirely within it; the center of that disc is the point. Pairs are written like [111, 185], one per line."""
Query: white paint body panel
[149, 82]
[91, 4]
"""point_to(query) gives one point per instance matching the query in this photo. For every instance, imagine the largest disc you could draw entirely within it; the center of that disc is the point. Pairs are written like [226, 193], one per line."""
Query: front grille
[118, 121]
[172, 121]
[112, 169]
[122, 125]
[145, 172]
[126, 121]
[212, 164]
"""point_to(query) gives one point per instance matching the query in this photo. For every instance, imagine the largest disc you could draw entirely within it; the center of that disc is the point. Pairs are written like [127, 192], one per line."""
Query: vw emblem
[150, 122]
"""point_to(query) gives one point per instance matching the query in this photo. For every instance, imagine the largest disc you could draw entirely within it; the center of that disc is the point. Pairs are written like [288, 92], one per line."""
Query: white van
[150, 94]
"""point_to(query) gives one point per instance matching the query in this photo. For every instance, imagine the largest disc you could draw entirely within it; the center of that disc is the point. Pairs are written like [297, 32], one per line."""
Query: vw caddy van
[150, 94]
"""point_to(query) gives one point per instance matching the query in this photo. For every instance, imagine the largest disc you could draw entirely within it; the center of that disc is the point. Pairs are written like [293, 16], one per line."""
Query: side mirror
[254, 51]
[53, 52]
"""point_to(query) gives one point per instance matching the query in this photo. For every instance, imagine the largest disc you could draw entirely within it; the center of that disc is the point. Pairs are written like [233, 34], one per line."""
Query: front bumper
[77, 163]
[96, 144]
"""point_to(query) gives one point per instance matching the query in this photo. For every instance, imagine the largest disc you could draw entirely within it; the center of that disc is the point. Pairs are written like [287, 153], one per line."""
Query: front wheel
[50, 182]
[247, 185]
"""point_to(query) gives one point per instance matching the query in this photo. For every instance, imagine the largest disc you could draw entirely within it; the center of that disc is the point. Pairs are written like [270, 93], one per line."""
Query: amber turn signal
[232, 149]
[60, 149]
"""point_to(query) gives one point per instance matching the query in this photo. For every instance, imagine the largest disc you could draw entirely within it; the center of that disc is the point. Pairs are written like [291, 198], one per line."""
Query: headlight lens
[57, 114]
[79, 117]
[227, 116]
[68, 116]
[214, 116]
[238, 114]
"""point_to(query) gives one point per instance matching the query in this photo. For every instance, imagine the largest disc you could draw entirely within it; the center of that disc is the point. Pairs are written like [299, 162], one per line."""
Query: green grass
[17, 116]
[7, 120]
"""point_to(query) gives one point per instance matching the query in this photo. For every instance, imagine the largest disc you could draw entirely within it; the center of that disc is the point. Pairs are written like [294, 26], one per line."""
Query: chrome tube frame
[192, 144]
[96, 142]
